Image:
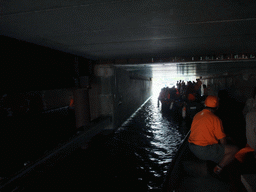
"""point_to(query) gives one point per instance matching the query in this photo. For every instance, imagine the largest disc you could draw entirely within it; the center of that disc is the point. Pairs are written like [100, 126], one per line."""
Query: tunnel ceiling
[123, 29]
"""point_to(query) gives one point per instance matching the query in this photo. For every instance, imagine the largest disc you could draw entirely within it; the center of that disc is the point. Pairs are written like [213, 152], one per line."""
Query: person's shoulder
[202, 114]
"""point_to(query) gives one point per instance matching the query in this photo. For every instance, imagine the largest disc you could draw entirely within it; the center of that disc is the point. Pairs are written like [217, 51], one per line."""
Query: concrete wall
[240, 85]
[119, 95]
[101, 97]
[113, 92]
[129, 95]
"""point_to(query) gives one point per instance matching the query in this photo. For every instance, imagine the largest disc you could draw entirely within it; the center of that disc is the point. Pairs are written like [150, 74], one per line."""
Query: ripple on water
[155, 140]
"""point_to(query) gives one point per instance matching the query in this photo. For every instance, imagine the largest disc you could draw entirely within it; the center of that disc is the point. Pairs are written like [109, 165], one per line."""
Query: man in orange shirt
[207, 139]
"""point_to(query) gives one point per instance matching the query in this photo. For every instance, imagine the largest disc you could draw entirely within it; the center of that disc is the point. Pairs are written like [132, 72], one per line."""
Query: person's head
[191, 97]
[212, 102]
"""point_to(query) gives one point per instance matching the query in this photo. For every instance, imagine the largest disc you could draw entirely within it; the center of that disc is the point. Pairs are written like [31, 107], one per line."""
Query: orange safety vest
[168, 96]
[71, 103]
[240, 155]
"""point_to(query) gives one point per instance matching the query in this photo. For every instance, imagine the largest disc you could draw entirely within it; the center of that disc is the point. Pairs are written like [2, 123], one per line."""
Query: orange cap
[211, 101]
[191, 97]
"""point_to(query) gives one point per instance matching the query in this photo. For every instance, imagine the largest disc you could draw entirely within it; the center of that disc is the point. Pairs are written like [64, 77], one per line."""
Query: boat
[188, 173]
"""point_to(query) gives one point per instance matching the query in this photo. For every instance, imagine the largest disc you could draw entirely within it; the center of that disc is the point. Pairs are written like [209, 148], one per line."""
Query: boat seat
[196, 167]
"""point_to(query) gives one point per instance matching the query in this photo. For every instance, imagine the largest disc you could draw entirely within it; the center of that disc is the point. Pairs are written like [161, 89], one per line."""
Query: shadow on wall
[231, 113]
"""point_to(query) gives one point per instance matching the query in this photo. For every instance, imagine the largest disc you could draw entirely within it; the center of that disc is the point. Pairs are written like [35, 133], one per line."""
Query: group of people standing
[192, 87]
[182, 91]
[184, 99]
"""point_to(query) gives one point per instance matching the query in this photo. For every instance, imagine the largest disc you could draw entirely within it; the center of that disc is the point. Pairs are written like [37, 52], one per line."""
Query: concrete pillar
[81, 102]
[82, 107]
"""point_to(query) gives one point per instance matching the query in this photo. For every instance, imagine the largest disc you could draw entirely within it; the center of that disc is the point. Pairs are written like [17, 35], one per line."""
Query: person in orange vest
[71, 103]
[177, 96]
[207, 139]
[71, 106]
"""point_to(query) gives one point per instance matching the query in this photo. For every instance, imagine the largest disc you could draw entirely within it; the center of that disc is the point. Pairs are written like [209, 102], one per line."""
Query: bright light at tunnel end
[167, 75]
[159, 82]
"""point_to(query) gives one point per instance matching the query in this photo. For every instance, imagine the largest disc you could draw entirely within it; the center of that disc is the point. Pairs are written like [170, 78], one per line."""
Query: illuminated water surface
[154, 139]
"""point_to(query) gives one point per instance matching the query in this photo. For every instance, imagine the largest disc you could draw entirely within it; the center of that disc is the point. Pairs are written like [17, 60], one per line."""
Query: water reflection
[154, 140]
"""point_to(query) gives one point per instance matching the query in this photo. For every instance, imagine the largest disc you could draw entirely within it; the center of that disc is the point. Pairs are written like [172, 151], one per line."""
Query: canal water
[135, 157]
